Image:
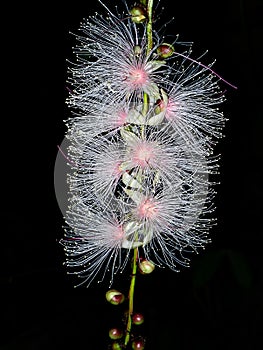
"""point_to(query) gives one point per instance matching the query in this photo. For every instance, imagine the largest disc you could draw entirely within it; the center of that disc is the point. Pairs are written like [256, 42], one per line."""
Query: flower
[97, 119]
[190, 104]
[112, 62]
[92, 242]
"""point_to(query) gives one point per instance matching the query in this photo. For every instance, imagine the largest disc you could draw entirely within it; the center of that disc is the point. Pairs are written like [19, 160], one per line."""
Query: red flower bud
[138, 344]
[137, 318]
[165, 50]
[115, 333]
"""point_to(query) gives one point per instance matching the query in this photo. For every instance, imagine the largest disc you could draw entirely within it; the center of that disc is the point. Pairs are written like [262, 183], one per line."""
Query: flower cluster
[144, 124]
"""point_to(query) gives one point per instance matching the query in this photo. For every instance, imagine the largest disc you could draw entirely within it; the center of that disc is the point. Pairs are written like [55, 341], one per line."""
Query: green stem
[131, 296]
[149, 27]
[148, 49]
[145, 110]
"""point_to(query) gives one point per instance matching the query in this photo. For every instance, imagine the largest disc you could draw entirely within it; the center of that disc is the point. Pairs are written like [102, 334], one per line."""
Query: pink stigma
[120, 118]
[116, 171]
[118, 233]
[143, 154]
[137, 78]
[171, 108]
[147, 209]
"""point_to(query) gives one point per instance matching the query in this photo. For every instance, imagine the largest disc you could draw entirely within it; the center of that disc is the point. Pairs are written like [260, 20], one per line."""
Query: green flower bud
[165, 50]
[144, 2]
[138, 14]
[114, 297]
[146, 267]
[116, 346]
[137, 50]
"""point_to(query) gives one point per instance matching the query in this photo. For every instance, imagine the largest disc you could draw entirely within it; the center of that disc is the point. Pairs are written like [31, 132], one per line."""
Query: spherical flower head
[93, 240]
[97, 118]
[191, 106]
[98, 168]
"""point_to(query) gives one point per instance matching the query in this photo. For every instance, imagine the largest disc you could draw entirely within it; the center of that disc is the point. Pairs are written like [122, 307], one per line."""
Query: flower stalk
[131, 296]
[148, 51]
[149, 27]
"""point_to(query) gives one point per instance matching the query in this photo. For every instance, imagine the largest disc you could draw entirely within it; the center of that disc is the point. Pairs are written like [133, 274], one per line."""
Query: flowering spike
[141, 140]
[144, 125]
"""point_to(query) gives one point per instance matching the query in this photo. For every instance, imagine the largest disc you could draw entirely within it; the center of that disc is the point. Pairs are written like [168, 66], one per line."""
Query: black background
[215, 304]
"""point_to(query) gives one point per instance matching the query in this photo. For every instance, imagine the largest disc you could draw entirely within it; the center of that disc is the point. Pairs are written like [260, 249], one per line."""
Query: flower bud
[137, 318]
[146, 266]
[137, 50]
[138, 344]
[115, 333]
[138, 14]
[165, 50]
[160, 106]
[114, 297]
[116, 346]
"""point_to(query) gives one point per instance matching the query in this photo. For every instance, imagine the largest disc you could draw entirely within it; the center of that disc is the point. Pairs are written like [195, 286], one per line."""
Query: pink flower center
[147, 209]
[118, 233]
[171, 110]
[113, 170]
[137, 78]
[120, 118]
[143, 154]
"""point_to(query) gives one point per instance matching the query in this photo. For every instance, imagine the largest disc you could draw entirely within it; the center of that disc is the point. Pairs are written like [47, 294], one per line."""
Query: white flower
[191, 108]
[112, 63]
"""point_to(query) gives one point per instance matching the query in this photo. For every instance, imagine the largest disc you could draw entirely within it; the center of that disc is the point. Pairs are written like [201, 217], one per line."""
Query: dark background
[215, 304]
